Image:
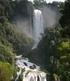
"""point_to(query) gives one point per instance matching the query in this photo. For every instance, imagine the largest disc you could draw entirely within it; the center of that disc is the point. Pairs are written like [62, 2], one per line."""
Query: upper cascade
[38, 28]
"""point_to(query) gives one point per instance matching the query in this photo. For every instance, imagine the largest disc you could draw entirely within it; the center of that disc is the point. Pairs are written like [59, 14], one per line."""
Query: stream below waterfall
[29, 71]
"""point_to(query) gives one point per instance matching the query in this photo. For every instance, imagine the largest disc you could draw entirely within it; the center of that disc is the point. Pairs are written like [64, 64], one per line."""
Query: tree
[6, 71]
[39, 2]
[65, 19]
[64, 60]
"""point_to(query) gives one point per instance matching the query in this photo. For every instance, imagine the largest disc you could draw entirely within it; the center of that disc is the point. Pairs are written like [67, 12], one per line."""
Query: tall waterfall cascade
[29, 71]
[38, 28]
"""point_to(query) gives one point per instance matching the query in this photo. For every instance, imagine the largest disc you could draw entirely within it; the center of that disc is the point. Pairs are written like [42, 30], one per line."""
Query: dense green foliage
[65, 19]
[53, 52]
[12, 41]
[64, 46]
[6, 71]
[64, 60]
[10, 35]
[61, 64]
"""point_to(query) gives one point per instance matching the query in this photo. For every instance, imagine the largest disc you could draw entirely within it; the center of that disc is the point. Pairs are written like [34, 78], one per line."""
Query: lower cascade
[28, 71]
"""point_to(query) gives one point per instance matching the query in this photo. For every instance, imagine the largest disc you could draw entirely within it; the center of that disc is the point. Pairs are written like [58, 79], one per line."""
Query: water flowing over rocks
[28, 71]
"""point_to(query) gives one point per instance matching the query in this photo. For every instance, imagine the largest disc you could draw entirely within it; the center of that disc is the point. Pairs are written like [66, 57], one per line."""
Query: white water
[31, 71]
[38, 28]
[35, 76]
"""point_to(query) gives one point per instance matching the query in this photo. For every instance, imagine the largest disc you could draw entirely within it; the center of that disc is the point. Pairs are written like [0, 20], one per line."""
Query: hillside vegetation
[12, 42]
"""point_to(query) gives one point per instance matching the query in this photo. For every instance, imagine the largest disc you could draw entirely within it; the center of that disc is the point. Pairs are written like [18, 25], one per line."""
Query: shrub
[6, 71]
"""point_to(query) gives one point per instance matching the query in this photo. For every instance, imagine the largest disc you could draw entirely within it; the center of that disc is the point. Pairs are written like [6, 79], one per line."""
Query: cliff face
[9, 33]
[23, 15]
[41, 55]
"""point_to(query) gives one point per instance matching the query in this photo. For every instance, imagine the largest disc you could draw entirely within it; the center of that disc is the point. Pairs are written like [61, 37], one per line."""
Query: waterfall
[29, 71]
[34, 76]
[38, 29]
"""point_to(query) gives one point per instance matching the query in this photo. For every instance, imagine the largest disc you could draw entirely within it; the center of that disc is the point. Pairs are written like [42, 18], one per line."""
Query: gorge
[30, 71]
[28, 41]
[34, 26]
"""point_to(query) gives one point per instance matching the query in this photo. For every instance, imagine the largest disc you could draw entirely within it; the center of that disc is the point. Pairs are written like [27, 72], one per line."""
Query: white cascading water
[29, 71]
[38, 28]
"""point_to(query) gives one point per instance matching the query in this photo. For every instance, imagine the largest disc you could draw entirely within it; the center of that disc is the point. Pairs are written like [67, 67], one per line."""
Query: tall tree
[65, 19]
[39, 2]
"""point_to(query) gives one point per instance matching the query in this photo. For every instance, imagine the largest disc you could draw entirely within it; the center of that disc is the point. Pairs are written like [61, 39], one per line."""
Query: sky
[50, 0]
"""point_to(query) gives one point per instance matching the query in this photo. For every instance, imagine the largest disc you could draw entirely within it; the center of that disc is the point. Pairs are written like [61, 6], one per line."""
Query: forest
[53, 51]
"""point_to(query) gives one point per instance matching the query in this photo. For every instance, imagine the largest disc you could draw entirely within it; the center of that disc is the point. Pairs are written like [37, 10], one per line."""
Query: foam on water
[31, 71]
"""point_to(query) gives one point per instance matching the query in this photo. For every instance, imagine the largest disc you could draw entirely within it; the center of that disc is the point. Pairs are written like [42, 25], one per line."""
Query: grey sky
[50, 0]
